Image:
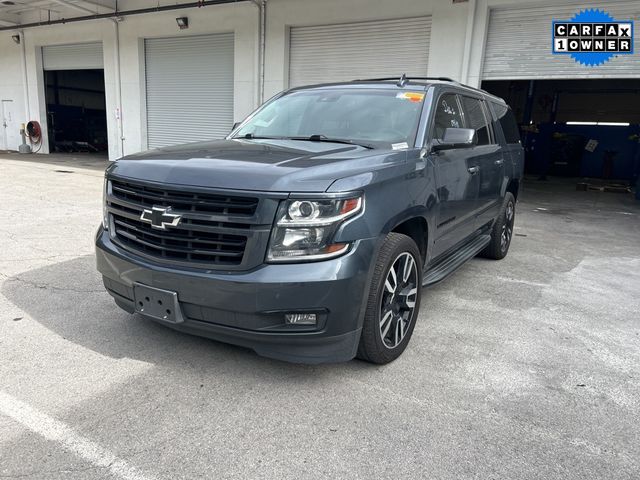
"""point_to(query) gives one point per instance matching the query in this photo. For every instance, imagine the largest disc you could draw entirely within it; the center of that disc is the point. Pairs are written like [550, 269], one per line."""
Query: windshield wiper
[312, 138]
[251, 136]
[324, 138]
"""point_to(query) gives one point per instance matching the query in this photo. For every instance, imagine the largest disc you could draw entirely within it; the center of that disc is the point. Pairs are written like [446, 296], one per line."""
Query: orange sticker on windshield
[411, 96]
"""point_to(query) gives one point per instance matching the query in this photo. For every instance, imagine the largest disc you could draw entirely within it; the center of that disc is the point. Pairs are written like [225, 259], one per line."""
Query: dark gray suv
[307, 234]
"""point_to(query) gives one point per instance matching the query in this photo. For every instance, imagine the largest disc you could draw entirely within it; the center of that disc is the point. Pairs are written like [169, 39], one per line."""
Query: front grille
[184, 201]
[213, 230]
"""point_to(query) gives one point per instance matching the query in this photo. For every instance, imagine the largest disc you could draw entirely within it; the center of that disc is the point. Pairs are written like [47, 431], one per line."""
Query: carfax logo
[592, 37]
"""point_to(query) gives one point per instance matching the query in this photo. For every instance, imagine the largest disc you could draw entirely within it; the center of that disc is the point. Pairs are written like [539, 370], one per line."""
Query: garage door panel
[189, 88]
[79, 56]
[330, 53]
[519, 44]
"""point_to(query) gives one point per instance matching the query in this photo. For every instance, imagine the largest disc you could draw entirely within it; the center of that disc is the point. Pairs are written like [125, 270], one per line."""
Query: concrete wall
[94, 31]
[447, 34]
[456, 49]
[129, 135]
[241, 18]
[12, 86]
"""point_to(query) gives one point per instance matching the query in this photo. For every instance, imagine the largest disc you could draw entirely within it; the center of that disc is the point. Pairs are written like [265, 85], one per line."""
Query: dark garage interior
[586, 129]
[76, 111]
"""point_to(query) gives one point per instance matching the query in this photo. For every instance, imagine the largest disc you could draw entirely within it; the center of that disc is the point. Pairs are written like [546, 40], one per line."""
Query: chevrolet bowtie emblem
[160, 217]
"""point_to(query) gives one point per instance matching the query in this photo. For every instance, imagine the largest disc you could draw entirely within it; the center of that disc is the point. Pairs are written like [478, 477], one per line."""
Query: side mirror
[456, 138]
[235, 125]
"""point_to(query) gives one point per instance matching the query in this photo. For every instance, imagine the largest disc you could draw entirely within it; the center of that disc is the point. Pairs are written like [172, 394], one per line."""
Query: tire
[502, 231]
[391, 312]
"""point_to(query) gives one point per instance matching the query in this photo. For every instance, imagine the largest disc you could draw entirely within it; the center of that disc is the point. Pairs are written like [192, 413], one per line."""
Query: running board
[449, 264]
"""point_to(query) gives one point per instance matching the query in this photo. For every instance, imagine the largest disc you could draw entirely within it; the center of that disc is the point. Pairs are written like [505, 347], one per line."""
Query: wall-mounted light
[183, 22]
[16, 38]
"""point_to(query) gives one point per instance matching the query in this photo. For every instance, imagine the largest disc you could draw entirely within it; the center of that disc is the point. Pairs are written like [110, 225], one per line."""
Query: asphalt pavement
[526, 368]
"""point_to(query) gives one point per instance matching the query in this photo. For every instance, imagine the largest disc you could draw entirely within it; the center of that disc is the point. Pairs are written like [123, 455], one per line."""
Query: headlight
[304, 229]
[105, 212]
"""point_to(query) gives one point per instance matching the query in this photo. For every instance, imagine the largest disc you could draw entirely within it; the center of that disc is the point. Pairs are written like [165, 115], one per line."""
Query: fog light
[300, 318]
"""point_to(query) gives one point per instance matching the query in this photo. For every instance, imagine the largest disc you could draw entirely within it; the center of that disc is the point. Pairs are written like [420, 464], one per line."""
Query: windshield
[364, 116]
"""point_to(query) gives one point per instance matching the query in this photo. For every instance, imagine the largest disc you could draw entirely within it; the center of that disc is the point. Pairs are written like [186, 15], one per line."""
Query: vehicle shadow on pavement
[69, 299]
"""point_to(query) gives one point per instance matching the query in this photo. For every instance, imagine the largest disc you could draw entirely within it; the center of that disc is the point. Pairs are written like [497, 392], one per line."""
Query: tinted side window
[475, 118]
[508, 123]
[448, 115]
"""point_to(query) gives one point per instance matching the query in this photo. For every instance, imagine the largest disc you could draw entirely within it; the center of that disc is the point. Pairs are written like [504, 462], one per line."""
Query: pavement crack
[46, 258]
[40, 473]
[44, 286]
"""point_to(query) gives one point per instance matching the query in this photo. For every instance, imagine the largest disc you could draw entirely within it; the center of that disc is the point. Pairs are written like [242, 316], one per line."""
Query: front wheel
[394, 300]
[502, 230]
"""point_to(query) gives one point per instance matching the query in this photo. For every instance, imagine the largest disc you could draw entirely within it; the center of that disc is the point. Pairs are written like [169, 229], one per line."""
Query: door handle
[499, 162]
[473, 170]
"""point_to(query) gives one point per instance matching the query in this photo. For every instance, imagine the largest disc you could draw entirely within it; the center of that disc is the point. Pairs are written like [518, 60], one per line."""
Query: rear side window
[448, 115]
[508, 123]
[475, 118]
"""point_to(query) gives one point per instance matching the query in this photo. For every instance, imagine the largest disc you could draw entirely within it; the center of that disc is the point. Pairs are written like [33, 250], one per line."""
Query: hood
[261, 165]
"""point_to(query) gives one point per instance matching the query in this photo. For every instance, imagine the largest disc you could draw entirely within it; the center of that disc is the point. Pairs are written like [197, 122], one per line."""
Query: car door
[455, 176]
[505, 123]
[489, 155]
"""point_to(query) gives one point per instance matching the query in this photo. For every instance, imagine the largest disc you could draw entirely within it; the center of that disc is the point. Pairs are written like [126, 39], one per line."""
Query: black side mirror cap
[235, 125]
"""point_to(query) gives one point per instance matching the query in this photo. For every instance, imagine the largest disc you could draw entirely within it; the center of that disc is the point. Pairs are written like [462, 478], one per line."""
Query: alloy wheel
[398, 300]
[507, 226]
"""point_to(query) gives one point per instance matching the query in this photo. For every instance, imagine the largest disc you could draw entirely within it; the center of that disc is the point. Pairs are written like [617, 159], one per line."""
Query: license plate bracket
[157, 303]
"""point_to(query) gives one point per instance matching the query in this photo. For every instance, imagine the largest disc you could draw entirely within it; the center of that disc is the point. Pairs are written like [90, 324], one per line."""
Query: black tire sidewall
[494, 249]
[508, 199]
[372, 347]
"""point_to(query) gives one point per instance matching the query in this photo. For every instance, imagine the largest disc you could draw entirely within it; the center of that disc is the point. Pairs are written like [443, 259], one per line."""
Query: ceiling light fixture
[604, 124]
[183, 22]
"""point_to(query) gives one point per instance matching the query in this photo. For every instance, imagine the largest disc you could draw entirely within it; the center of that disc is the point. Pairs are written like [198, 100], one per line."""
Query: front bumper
[247, 308]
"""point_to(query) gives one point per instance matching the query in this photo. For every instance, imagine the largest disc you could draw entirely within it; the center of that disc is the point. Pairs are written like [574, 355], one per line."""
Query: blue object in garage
[636, 166]
[615, 145]
[560, 150]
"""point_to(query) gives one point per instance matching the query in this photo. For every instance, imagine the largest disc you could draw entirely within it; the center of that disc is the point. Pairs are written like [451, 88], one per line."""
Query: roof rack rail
[404, 79]
[443, 79]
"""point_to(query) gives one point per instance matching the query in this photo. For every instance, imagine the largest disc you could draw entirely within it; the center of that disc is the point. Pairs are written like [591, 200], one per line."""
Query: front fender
[392, 197]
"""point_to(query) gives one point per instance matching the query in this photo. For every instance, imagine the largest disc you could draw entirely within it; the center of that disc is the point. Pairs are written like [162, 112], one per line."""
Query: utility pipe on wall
[118, 81]
[124, 13]
[25, 82]
[263, 44]
[468, 42]
[262, 34]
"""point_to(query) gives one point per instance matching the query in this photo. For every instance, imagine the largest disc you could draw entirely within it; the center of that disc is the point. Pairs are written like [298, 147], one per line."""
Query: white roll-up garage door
[334, 53]
[519, 44]
[77, 56]
[189, 83]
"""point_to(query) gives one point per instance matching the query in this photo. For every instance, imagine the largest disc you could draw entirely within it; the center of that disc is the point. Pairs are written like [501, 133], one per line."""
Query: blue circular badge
[592, 15]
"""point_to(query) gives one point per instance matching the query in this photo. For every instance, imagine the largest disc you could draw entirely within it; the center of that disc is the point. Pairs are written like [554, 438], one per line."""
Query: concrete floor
[91, 161]
[528, 368]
